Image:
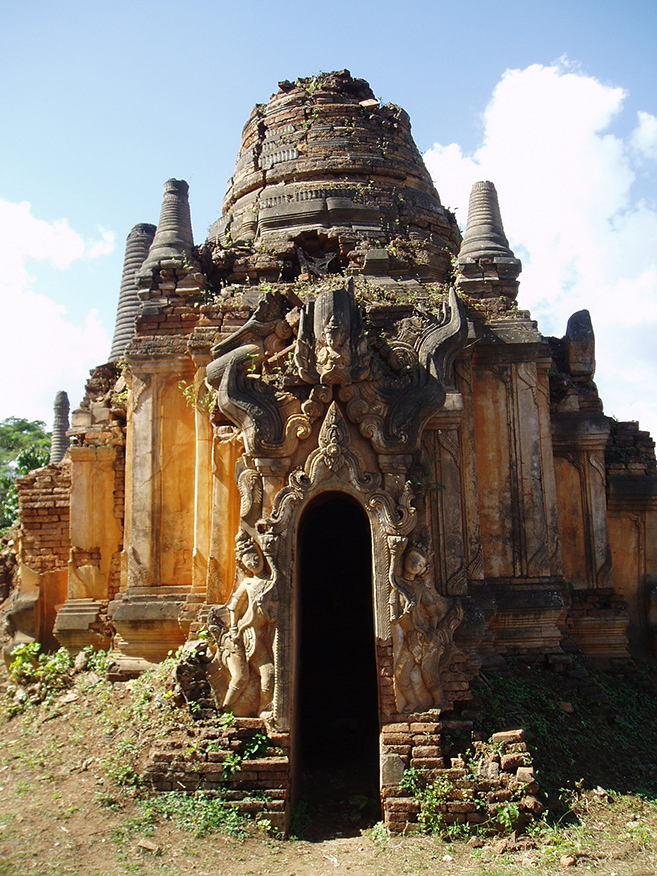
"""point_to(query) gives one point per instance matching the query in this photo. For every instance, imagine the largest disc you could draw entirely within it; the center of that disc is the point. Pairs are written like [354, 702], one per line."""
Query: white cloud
[567, 190]
[101, 247]
[41, 351]
[644, 136]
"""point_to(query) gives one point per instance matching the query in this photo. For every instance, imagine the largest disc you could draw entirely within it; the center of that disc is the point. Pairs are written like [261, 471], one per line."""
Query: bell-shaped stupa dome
[325, 161]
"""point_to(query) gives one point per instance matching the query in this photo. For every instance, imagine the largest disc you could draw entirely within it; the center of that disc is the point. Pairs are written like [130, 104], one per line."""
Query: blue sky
[102, 102]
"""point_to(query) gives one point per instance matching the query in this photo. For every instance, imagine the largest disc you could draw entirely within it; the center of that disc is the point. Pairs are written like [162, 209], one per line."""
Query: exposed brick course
[43, 498]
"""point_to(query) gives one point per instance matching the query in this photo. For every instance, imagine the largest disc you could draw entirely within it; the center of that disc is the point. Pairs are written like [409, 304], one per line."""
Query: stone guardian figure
[243, 627]
[423, 623]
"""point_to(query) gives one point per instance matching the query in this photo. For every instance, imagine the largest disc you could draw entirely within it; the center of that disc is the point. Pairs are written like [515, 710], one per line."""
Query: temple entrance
[337, 715]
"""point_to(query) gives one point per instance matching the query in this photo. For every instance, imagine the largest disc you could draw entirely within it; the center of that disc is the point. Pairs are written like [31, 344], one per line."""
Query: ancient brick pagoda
[329, 436]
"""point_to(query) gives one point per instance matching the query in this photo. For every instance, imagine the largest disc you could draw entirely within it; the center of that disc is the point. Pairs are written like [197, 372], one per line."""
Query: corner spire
[59, 441]
[487, 267]
[170, 258]
[136, 251]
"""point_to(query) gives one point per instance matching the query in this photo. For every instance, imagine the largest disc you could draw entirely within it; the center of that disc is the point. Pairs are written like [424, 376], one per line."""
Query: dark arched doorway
[337, 716]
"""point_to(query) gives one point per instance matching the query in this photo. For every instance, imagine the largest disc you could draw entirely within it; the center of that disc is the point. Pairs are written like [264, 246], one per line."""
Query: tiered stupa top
[325, 157]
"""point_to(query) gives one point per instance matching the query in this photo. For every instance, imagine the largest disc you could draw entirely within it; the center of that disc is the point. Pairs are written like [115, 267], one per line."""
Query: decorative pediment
[392, 377]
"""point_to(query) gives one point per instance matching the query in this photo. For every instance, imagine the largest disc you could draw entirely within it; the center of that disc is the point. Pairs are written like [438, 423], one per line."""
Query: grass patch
[585, 727]
[197, 813]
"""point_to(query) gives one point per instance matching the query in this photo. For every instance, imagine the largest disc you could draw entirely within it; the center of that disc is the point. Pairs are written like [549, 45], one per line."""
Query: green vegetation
[197, 813]
[432, 797]
[76, 762]
[585, 728]
[40, 677]
[24, 446]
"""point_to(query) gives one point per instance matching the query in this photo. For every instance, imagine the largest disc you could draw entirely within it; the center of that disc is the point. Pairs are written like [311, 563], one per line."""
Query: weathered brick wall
[215, 760]
[173, 318]
[467, 792]
[43, 498]
[599, 603]
[384, 662]
[219, 760]
[630, 451]
[218, 320]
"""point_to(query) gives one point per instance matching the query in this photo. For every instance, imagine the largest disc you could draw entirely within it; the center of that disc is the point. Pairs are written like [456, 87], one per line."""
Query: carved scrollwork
[396, 518]
[249, 485]
[407, 386]
[270, 419]
[314, 406]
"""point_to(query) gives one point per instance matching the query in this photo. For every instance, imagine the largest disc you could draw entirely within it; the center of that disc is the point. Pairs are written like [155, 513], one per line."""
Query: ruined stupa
[340, 463]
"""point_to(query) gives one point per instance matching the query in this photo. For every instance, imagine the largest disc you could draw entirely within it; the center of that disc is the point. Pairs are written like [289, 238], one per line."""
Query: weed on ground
[72, 799]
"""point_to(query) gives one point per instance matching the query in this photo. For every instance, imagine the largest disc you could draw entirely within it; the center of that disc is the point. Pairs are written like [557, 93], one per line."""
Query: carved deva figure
[423, 623]
[243, 631]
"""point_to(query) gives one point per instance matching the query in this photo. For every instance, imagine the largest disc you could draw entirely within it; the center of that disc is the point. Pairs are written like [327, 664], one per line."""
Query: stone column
[528, 601]
[159, 528]
[633, 537]
[532, 557]
[543, 367]
[225, 519]
[204, 565]
[202, 481]
[579, 442]
[470, 491]
[96, 537]
[445, 505]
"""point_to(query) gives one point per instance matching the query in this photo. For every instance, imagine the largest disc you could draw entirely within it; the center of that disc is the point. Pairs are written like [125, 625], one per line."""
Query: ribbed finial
[173, 242]
[59, 441]
[484, 235]
[136, 251]
[487, 267]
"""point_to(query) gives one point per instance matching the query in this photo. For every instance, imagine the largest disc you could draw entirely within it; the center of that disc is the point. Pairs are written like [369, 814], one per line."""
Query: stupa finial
[486, 264]
[59, 441]
[136, 251]
[170, 258]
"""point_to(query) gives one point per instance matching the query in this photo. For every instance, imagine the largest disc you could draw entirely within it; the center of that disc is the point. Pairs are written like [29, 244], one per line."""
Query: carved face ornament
[415, 563]
[248, 555]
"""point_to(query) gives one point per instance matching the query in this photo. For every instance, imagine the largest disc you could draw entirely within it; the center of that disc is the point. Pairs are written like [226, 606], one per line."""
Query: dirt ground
[68, 805]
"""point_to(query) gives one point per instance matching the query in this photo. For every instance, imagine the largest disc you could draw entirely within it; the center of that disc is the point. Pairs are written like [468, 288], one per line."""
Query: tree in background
[24, 446]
